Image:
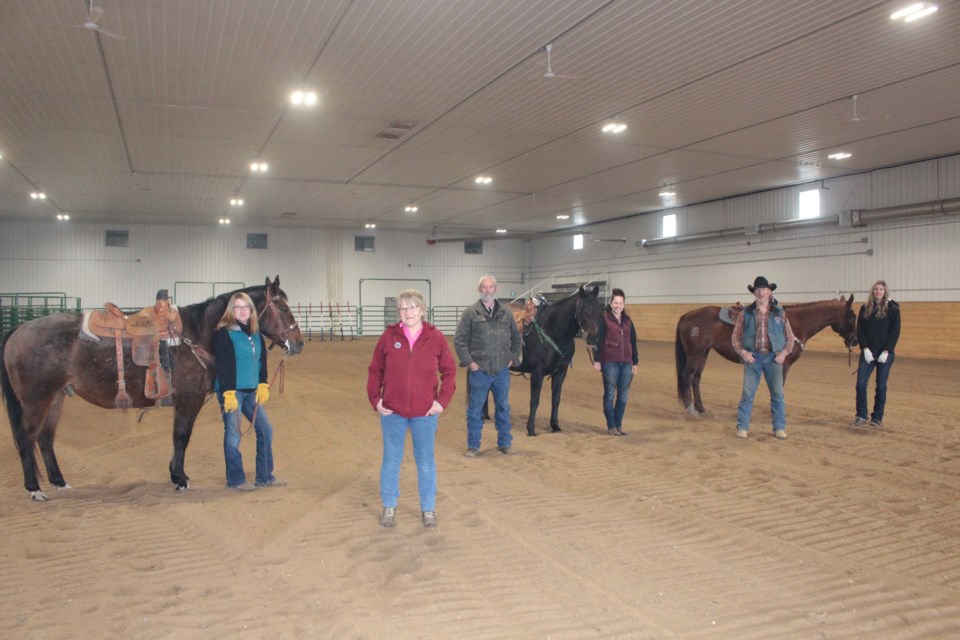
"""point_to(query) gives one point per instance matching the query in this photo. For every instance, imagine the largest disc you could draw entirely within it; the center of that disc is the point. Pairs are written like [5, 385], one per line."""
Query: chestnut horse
[700, 330]
[43, 360]
[548, 347]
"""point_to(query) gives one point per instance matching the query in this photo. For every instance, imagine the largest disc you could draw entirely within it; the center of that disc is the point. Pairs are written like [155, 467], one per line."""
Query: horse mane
[194, 315]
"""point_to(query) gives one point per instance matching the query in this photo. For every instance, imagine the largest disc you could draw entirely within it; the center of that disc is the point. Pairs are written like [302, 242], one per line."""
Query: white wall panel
[315, 265]
[917, 257]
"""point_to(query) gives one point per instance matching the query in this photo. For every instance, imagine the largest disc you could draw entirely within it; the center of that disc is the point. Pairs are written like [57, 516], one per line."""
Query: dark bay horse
[700, 330]
[43, 360]
[549, 345]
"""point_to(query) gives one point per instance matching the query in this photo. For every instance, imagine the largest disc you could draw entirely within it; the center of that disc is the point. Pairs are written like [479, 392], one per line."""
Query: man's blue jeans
[863, 377]
[617, 377]
[424, 431]
[231, 440]
[764, 364]
[480, 384]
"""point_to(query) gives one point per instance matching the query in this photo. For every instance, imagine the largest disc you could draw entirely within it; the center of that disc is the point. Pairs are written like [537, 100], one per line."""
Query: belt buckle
[764, 350]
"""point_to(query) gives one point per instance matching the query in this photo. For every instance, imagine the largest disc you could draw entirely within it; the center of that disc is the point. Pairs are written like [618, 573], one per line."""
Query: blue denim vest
[775, 328]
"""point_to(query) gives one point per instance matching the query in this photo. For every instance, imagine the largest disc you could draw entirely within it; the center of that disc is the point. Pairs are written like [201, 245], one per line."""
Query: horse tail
[681, 357]
[14, 408]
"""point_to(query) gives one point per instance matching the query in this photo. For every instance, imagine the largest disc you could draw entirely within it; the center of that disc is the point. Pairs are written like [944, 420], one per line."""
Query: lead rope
[279, 374]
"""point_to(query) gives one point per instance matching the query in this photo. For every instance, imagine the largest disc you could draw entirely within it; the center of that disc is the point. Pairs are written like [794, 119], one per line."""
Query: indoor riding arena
[354, 149]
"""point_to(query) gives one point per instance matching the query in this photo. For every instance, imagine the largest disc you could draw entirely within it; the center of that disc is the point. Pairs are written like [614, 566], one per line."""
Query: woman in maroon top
[616, 358]
[402, 386]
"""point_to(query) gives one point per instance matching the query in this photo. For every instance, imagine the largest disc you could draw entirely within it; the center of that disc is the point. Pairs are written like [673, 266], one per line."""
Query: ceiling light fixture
[483, 180]
[38, 195]
[259, 167]
[410, 208]
[614, 126]
[224, 220]
[839, 155]
[370, 225]
[914, 11]
[666, 193]
[302, 98]
[563, 217]
[236, 202]
[63, 216]
[501, 230]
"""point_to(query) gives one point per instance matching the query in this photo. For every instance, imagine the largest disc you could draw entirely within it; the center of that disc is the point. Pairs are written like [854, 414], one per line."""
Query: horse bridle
[271, 307]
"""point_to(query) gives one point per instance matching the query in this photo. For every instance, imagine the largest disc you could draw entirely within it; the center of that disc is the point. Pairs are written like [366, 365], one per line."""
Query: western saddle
[148, 333]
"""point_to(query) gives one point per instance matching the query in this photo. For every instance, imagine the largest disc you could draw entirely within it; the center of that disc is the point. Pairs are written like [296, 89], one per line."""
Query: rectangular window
[473, 246]
[670, 225]
[118, 238]
[363, 243]
[256, 241]
[810, 204]
[578, 242]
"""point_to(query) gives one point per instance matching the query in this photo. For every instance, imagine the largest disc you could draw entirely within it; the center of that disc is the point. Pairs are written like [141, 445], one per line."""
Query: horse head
[277, 322]
[846, 323]
[589, 311]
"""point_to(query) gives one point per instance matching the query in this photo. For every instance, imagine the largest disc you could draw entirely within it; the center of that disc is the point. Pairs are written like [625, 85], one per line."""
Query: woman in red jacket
[402, 386]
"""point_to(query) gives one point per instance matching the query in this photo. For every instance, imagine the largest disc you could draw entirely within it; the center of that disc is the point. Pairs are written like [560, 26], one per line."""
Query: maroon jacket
[616, 341]
[407, 380]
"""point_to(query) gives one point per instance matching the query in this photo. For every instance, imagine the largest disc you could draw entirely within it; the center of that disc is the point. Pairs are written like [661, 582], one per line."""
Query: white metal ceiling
[721, 97]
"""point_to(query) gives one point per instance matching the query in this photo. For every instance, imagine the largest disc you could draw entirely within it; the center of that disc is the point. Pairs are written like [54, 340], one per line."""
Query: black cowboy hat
[761, 283]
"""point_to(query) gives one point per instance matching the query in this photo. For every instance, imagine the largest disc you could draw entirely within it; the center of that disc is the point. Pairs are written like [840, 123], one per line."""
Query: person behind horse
[487, 343]
[878, 329]
[402, 387]
[241, 386]
[616, 359]
[763, 338]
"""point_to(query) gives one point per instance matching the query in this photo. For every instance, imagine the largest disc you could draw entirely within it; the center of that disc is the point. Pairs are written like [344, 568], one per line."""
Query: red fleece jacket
[407, 380]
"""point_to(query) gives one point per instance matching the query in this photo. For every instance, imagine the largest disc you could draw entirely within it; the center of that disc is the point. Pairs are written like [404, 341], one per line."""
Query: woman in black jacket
[878, 329]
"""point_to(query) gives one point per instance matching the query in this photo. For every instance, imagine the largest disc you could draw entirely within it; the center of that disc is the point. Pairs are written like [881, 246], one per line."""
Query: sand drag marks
[676, 530]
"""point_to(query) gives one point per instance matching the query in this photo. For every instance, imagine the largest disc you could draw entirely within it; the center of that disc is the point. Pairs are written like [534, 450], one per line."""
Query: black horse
[548, 346]
[44, 359]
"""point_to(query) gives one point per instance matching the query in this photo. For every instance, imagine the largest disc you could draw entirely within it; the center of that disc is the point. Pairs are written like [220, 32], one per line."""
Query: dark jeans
[617, 377]
[863, 377]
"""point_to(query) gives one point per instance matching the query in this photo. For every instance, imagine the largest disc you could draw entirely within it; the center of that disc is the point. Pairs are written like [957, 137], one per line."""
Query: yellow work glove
[263, 392]
[230, 401]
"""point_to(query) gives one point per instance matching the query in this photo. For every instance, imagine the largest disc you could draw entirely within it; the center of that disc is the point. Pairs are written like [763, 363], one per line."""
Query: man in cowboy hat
[763, 338]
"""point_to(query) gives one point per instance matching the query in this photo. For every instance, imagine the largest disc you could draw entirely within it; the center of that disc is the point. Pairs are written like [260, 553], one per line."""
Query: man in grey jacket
[487, 343]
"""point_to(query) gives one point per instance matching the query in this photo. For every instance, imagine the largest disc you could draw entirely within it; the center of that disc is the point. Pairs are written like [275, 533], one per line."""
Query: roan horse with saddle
[148, 333]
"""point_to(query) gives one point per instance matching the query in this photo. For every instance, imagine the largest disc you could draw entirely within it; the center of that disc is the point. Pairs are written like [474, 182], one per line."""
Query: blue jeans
[765, 365]
[424, 430]
[863, 377]
[617, 377]
[480, 383]
[231, 440]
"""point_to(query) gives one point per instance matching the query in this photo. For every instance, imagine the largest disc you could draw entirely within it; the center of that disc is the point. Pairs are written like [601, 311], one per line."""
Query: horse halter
[271, 307]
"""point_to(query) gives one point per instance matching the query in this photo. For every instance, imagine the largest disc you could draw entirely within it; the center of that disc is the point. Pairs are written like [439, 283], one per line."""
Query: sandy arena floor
[678, 530]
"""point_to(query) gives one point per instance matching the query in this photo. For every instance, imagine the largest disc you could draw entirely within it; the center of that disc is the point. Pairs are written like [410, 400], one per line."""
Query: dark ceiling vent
[396, 129]
[288, 214]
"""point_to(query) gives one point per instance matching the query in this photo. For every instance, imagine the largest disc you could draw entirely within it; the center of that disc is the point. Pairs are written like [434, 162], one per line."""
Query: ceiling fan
[550, 74]
[92, 23]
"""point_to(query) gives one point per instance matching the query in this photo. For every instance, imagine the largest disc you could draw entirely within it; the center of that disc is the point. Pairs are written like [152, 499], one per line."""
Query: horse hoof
[66, 485]
[554, 429]
[38, 496]
[183, 487]
[531, 433]
[692, 410]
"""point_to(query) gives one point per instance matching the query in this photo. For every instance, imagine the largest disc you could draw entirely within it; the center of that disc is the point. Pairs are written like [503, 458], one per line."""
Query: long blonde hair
[874, 306]
[229, 320]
